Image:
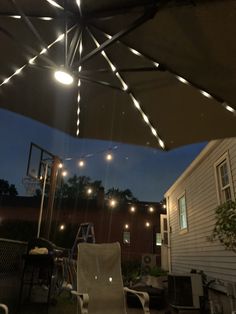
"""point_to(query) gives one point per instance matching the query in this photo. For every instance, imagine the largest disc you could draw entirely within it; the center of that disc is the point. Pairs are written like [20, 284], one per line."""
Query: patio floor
[64, 304]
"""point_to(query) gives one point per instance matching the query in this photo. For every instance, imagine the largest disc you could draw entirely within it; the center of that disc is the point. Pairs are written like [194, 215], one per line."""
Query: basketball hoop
[31, 185]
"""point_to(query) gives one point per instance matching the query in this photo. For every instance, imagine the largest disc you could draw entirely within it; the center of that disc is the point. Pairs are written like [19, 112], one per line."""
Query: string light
[126, 226]
[78, 95]
[151, 209]
[15, 16]
[125, 87]
[60, 165]
[55, 4]
[32, 60]
[64, 173]
[109, 157]
[132, 209]
[147, 224]
[62, 227]
[181, 79]
[113, 203]
[81, 163]
[46, 18]
[205, 94]
[229, 108]
[89, 191]
[43, 51]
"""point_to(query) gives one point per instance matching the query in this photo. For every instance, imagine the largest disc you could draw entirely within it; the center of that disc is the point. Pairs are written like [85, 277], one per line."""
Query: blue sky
[147, 172]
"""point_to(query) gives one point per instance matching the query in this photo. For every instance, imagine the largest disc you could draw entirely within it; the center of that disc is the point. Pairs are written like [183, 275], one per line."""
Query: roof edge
[206, 150]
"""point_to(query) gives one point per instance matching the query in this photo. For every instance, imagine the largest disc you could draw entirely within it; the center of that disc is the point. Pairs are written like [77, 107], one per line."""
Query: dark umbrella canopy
[164, 76]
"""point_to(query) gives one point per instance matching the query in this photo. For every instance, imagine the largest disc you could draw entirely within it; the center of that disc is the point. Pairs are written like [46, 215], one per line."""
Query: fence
[10, 270]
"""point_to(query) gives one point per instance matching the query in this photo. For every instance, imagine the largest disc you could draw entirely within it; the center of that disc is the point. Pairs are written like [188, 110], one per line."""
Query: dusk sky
[147, 172]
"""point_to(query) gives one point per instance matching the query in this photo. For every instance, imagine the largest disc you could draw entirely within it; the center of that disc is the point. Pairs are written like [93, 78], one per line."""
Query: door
[164, 242]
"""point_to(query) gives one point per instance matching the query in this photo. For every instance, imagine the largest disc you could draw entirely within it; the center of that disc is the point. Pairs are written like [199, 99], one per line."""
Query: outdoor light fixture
[151, 209]
[63, 77]
[147, 224]
[126, 226]
[64, 173]
[60, 165]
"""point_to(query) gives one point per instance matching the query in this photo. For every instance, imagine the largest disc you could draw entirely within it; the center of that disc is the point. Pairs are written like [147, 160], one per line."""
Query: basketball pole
[42, 199]
[51, 196]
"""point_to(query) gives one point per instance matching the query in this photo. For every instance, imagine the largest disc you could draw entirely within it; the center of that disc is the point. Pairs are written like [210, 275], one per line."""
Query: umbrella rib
[23, 46]
[74, 44]
[131, 95]
[31, 16]
[104, 83]
[141, 69]
[163, 67]
[32, 60]
[146, 16]
[29, 24]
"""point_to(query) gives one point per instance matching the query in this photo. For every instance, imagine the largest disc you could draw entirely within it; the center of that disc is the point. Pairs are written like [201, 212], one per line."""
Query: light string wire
[33, 59]
[181, 79]
[89, 155]
[79, 86]
[130, 93]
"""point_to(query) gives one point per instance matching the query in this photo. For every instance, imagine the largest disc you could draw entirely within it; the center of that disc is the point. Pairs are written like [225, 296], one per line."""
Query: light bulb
[63, 77]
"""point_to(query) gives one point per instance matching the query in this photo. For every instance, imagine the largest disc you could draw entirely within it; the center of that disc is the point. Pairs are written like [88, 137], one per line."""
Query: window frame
[126, 232]
[182, 229]
[224, 159]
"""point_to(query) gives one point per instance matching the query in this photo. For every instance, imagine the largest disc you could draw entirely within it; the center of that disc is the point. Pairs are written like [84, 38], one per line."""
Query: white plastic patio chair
[99, 281]
[4, 307]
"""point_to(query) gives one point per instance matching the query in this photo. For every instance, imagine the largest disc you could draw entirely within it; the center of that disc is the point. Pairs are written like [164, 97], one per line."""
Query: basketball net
[31, 185]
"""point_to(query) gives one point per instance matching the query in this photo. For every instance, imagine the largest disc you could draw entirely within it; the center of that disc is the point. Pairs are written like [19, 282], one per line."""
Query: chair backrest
[99, 275]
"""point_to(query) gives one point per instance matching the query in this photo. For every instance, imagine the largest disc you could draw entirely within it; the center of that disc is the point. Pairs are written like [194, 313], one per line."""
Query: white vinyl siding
[193, 250]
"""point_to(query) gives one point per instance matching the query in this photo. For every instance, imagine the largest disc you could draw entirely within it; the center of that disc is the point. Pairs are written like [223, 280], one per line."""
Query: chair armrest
[143, 297]
[4, 307]
[83, 299]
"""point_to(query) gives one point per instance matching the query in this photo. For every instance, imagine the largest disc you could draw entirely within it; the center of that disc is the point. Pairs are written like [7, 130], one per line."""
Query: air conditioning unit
[185, 290]
[148, 262]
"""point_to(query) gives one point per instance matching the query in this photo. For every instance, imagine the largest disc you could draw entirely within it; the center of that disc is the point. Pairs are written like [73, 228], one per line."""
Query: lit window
[126, 237]
[182, 212]
[224, 180]
[158, 239]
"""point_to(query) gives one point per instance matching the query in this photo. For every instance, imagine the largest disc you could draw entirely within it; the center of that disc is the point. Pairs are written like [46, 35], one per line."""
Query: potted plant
[225, 226]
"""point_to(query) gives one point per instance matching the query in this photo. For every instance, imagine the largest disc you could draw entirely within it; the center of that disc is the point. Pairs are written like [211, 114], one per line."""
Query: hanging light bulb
[109, 157]
[113, 203]
[89, 191]
[60, 165]
[63, 77]
[64, 173]
[81, 163]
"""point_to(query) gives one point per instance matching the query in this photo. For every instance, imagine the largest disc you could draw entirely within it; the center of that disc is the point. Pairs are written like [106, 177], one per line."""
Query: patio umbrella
[145, 72]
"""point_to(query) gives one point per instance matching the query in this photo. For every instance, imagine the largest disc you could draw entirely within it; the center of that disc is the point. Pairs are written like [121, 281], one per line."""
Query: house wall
[192, 250]
[17, 216]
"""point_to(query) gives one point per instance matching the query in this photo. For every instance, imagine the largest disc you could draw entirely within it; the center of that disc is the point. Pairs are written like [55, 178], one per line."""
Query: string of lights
[177, 76]
[130, 93]
[32, 60]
